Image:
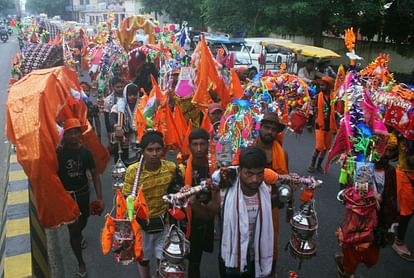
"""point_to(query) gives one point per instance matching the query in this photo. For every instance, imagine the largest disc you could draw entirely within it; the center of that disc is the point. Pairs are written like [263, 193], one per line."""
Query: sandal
[81, 275]
[403, 251]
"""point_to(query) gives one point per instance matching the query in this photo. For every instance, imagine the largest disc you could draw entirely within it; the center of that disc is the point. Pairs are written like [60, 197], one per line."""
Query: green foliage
[306, 17]
[6, 4]
[50, 7]
[399, 21]
[179, 11]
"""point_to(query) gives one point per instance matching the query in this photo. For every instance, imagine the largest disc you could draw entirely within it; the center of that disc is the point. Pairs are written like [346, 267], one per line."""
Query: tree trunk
[317, 36]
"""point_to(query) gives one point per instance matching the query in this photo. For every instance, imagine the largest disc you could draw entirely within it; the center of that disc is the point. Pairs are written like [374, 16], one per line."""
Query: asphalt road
[299, 148]
[7, 51]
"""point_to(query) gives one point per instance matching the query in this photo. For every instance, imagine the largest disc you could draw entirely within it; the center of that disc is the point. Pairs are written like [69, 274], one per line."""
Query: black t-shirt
[72, 167]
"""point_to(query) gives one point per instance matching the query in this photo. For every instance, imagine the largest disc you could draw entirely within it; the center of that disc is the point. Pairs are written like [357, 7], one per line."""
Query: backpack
[360, 217]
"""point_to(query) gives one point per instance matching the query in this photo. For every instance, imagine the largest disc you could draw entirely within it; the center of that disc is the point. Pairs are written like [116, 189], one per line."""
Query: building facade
[94, 11]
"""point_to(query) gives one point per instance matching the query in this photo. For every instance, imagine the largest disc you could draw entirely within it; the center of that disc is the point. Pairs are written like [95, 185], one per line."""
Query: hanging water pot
[168, 269]
[304, 221]
[118, 174]
[176, 246]
[302, 248]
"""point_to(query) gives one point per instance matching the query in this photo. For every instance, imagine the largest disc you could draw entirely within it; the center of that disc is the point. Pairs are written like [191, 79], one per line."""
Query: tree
[304, 17]
[49, 7]
[237, 15]
[399, 22]
[6, 4]
[178, 11]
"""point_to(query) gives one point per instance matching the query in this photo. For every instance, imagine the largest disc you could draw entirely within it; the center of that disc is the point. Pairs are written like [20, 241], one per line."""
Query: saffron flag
[236, 89]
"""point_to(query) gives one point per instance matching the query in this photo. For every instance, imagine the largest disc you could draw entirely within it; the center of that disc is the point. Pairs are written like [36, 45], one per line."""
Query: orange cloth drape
[320, 120]
[33, 105]
[279, 163]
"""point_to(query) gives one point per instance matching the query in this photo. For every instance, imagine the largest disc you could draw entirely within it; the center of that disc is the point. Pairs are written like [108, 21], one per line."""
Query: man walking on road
[276, 159]
[247, 233]
[158, 177]
[202, 222]
[325, 124]
[74, 163]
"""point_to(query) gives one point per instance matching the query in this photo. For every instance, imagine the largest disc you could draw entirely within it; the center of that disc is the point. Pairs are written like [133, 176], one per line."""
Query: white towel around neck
[229, 245]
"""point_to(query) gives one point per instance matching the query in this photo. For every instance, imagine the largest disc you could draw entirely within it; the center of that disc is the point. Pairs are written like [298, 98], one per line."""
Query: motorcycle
[3, 34]
[9, 30]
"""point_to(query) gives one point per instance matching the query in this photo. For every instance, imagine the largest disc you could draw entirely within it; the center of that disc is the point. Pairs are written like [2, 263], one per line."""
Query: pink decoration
[219, 147]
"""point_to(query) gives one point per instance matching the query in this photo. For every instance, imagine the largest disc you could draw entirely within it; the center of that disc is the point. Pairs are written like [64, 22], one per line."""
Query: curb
[4, 177]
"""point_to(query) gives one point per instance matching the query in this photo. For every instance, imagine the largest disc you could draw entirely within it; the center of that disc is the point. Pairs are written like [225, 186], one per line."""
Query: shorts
[152, 244]
[352, 257]
[323, 140]
[405, 192]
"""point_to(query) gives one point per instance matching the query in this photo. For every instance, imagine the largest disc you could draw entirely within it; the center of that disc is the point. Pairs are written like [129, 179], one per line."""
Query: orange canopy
[33, 106]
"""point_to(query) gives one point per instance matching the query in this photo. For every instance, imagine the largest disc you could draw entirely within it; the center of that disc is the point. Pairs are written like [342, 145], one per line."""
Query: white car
[274, 55]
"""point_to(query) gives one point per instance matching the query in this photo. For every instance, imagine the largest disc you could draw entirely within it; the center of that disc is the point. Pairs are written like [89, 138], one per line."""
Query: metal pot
[304, 222]
[168, 269]
[118, 174]
[284, 193]
[176, 246]
[302, 248]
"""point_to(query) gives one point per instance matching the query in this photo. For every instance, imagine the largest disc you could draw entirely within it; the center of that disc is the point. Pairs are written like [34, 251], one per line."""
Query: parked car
[235, 46]
[271, 56]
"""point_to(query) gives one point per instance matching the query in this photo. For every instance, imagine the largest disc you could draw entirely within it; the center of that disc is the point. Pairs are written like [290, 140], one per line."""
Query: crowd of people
[147, 113]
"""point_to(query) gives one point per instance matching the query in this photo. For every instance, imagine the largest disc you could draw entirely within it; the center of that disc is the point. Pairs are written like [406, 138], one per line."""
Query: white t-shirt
[252, 203]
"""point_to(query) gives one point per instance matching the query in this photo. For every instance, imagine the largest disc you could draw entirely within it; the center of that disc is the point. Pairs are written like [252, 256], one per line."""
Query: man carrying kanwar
[201, 233]
[276, 159]
[158, 177]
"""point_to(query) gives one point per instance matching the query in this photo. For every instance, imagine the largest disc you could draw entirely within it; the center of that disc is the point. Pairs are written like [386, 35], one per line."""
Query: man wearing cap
[276, 158]
[74, 163]
[215, 112]
[325, 124]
